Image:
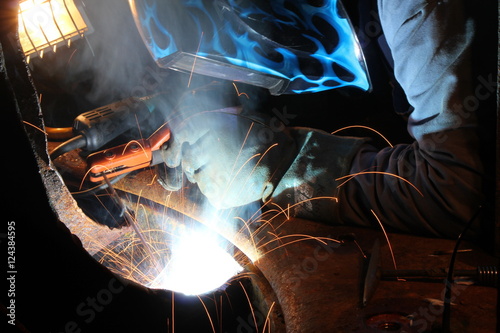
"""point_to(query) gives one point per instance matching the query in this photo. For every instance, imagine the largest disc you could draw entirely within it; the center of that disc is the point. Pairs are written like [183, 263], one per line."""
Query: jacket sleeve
[432, 186]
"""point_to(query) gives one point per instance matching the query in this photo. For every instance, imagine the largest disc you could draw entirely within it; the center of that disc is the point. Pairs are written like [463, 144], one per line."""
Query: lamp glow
[45, 25]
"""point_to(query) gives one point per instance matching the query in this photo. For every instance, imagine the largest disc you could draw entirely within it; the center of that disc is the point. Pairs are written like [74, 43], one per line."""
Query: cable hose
[97, 188]
[69, 145]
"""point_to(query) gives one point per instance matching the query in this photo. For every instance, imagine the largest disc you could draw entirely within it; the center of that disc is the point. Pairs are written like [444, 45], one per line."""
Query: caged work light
[45, 25]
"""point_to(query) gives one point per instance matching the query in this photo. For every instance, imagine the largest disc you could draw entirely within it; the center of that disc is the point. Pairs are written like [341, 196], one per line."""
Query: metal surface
[319, 286]
[372, 273]
[314, 283]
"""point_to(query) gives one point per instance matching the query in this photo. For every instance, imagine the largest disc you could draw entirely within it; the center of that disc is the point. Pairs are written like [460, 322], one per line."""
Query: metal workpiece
[310, 277]
[92, 236]
[319, 282]
[189, 202]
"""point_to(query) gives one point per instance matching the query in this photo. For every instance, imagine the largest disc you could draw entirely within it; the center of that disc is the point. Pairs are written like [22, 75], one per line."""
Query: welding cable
[76, 142]
[101, 186]
[59, 133]
[446, 318]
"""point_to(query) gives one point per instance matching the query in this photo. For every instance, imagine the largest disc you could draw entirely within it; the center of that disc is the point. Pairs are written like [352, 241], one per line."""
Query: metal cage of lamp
[45, 25]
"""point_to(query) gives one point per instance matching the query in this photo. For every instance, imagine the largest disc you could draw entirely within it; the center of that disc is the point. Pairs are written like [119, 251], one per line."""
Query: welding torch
[102, 127]
[134, 155]
[97, 127]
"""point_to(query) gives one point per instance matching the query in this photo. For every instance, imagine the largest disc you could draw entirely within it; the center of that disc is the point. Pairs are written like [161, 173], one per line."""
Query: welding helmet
[285, 46]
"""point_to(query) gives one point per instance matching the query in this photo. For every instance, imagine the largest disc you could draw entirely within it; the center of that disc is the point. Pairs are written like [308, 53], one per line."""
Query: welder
[432, 186]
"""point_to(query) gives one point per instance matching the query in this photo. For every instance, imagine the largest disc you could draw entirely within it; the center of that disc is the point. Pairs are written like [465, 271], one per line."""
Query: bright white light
[45, 24]
[198, 265]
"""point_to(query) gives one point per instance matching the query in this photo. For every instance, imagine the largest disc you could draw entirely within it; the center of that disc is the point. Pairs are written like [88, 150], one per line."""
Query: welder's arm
[432, 186]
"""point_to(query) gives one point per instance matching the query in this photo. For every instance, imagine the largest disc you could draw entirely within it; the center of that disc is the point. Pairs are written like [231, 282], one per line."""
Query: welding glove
[234, 158]
[310, 187]
[237, 158]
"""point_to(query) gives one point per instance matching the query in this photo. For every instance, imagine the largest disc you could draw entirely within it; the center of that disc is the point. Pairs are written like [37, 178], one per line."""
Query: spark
[248, 177]
[138, 126]
[360, 249]
[247, 226]
[240, 169]
[131, 221]
[285, 212]
[173, 311]
[194, 60]
[89, 171]
[365, 127]
[278, 238]
[260, 159]
[153, 180]
[72, 54]
[351, 176]
[36, 127]
[300, 203]
[208, 313]
[139, 144]
[238, 93]
[219, 313]
[249, 303]
[267, 321]
[242, 146]
[388, 243]
[304, 238]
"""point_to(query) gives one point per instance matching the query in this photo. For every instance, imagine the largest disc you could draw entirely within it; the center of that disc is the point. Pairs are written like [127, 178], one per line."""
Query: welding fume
[218, 137]
[163, 124]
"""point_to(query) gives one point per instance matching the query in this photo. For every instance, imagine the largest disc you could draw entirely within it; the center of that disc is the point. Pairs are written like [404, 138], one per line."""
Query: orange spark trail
[173, 311]
[208, 313]
[366, 127]
[241, 149]
[377, 172]
[300, 203]
[138, 143]
[238, 93]
[194, 61]
[388, 242]
[305, 237]
[268, 318]
[38, 128]
[249, 303]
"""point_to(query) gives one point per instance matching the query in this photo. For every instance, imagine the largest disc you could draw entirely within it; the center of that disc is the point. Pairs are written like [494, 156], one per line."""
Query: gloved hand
[233, 157]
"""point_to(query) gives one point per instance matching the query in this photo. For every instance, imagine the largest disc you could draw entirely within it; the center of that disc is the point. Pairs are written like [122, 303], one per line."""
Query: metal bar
[429, 273]
[44, 35]
[27, 34]
[55, 21]
[72, 20]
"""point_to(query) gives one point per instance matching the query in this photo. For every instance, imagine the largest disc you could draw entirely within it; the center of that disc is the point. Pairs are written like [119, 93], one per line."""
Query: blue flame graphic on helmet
[308, 43]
